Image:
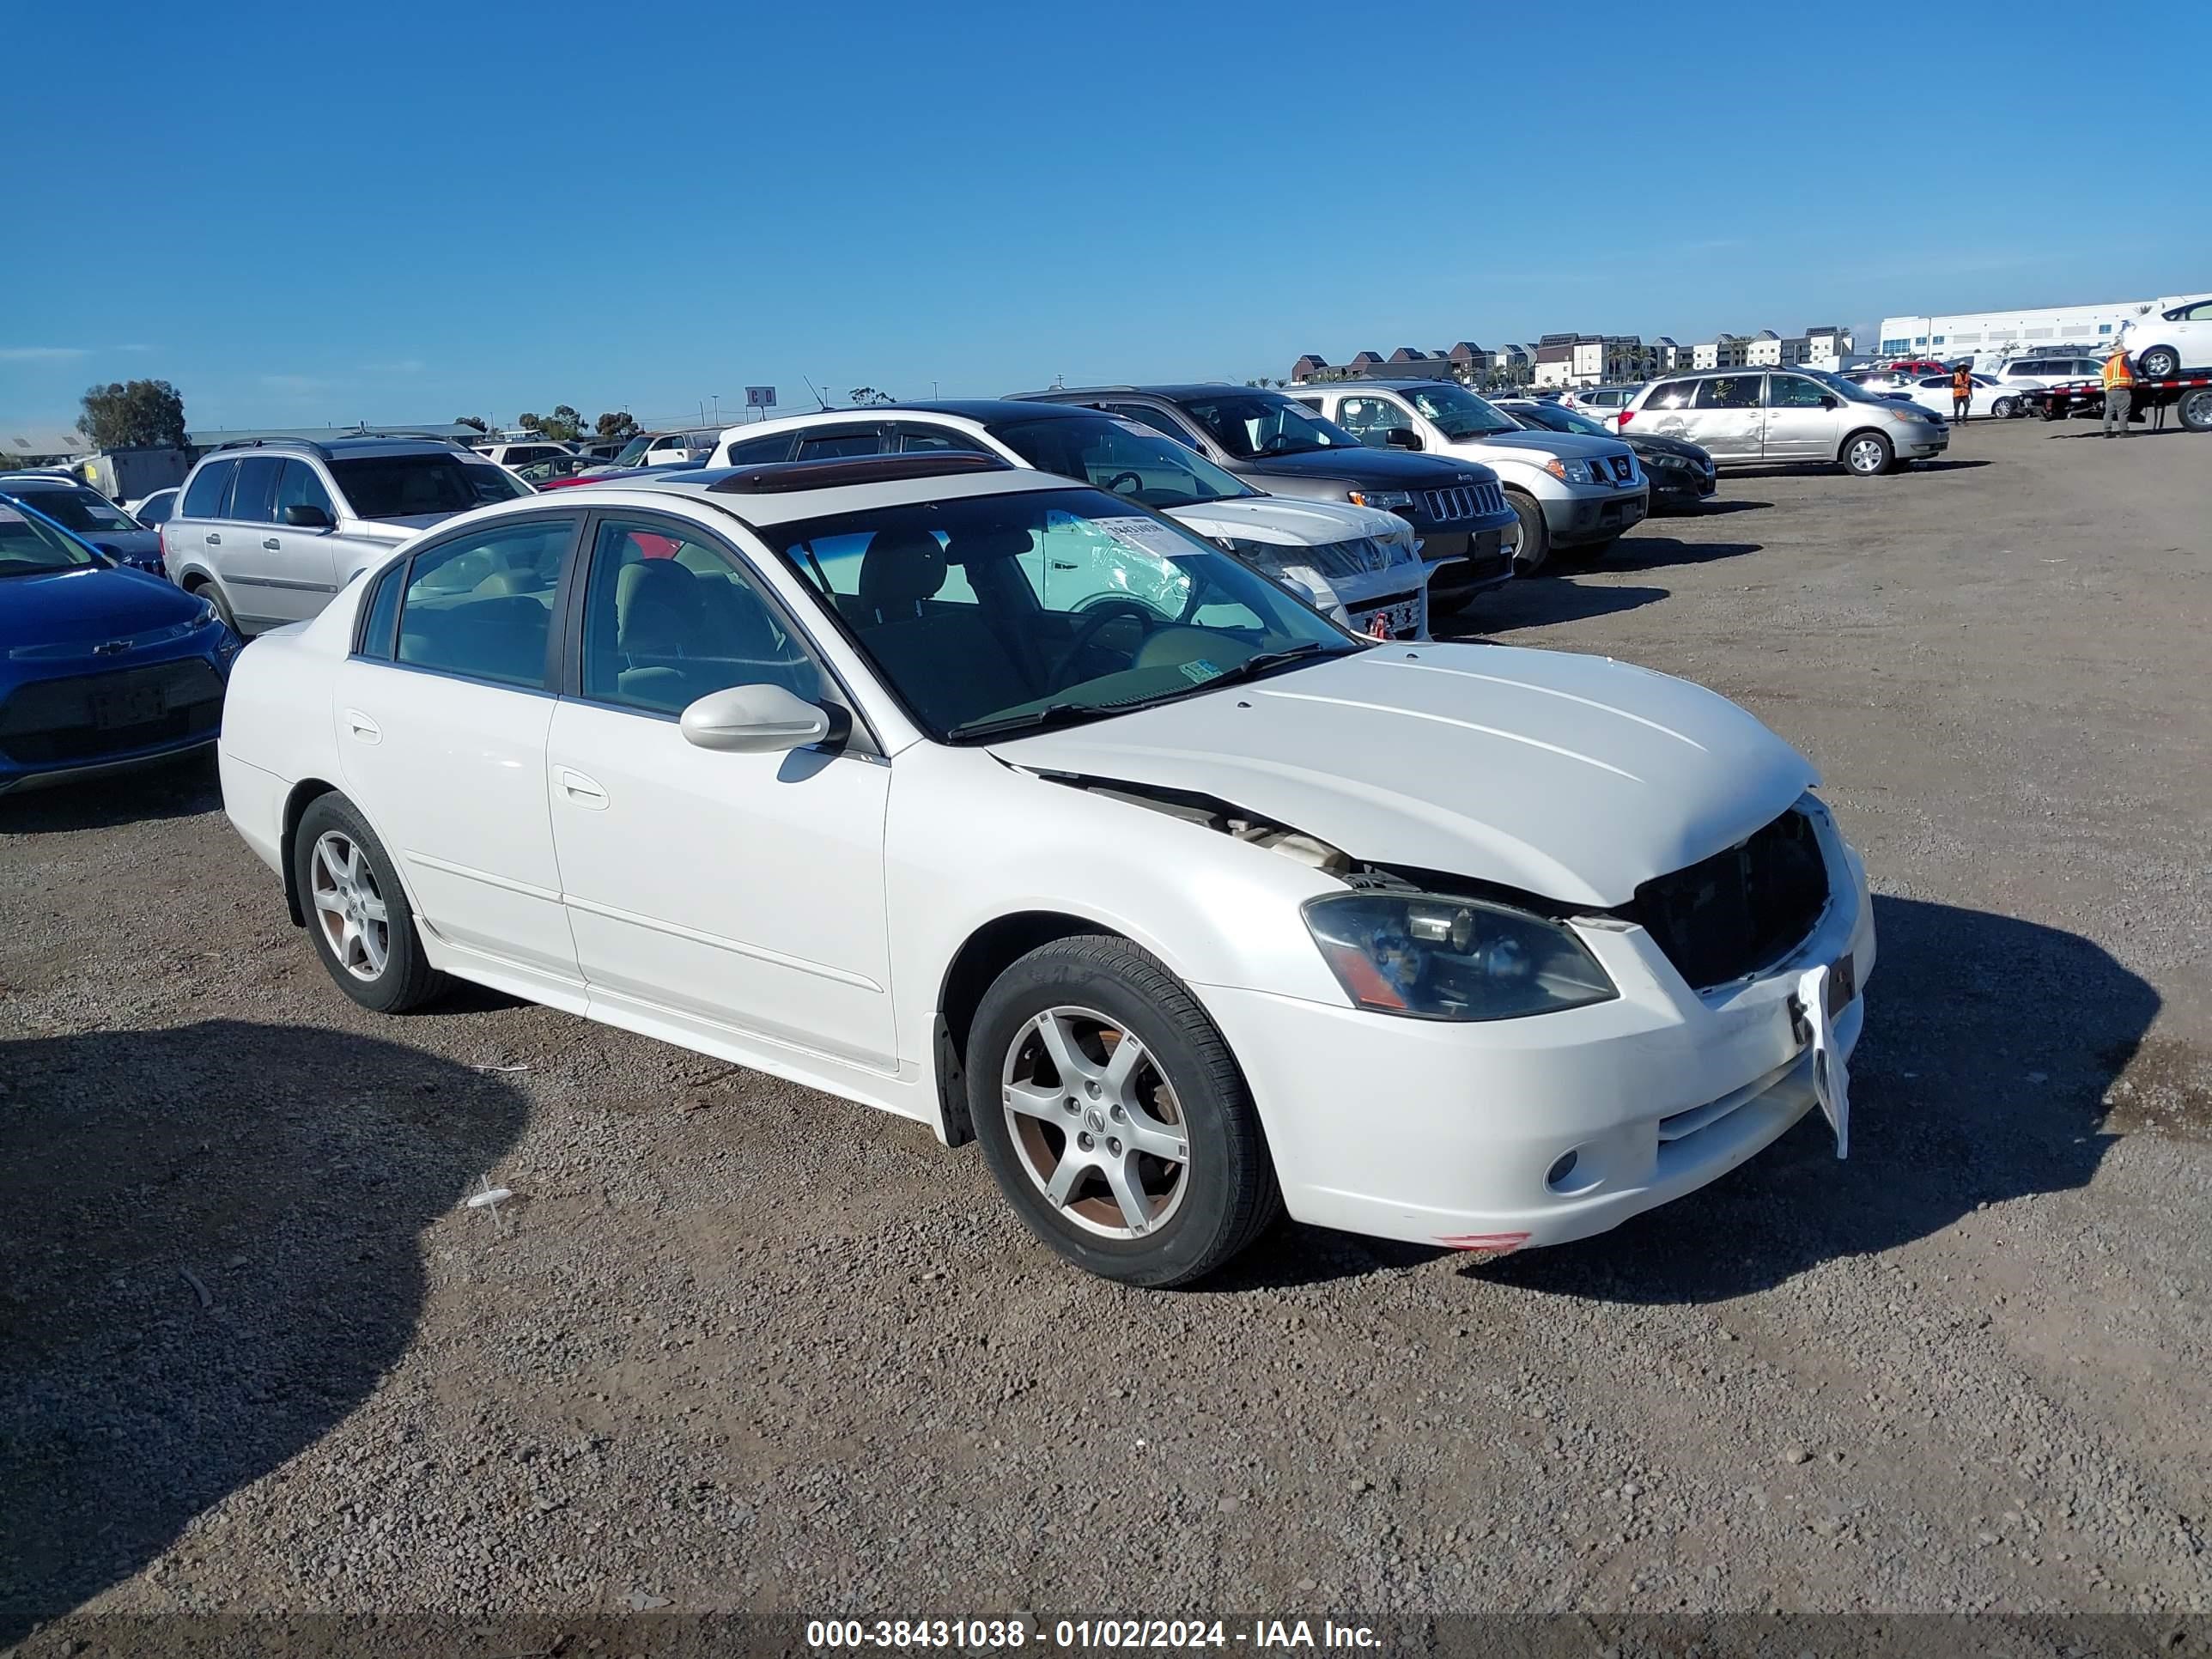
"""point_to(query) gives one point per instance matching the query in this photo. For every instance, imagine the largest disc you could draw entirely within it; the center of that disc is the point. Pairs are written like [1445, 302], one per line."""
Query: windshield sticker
[10, 515]
[1199, 671]
[1146, 533]
[1141, 429]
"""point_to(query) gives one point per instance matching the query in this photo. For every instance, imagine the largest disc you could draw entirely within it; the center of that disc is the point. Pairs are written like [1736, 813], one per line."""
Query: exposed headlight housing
[206, 614]
[1573, 471]
[1388, 500]
[1430, 956]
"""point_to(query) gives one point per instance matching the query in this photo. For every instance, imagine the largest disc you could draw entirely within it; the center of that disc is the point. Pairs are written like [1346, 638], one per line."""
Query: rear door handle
[273, 545]
[581, 789]
[363, 728]
[214, 540]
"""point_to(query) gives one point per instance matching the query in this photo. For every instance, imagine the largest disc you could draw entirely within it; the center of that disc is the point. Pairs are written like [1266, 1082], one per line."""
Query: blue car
[101, 666]
[86, 513]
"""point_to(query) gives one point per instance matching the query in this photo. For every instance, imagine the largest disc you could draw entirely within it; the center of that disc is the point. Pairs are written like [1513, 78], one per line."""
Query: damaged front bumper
[1518, 1133]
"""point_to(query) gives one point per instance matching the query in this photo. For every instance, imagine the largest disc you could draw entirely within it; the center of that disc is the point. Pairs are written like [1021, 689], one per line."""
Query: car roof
[981, 411]
[697, 487]
[1174, 393]
[12, 481]
[337, 449]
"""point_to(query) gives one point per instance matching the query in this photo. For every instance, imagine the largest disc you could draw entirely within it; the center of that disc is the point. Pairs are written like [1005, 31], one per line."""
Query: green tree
[616, 423]
[139, 414]
[563, 425]
[867, 397]
[476, 421]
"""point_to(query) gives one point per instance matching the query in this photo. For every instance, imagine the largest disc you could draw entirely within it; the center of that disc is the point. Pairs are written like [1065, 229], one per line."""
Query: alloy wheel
[349, 907]
[1095, 1122]
[1867, 456]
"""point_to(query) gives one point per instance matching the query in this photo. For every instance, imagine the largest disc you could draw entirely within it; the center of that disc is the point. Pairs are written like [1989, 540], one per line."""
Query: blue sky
[302, 214]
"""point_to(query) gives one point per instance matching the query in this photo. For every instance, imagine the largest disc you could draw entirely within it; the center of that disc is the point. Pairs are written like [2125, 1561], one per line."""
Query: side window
[1673, 394]
[1078, 565]
[915, 439]
[257, 484]
[1729, 391]
[662, 631]
[380, 614]
[837, 442]
[1158, 419]
[482, 605]
[1371, 420]
[1794, 391]
[209, 485]
[756, 451]
[297, 486]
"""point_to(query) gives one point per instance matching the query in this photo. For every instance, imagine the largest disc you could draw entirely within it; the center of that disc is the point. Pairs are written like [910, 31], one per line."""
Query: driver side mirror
[305, 515]
[1829, 400]
[1403, 437]
[755, 719]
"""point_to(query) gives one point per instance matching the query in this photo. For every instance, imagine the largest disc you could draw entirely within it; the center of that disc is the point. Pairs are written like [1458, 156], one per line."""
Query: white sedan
[1990, 399]
[1187, 909]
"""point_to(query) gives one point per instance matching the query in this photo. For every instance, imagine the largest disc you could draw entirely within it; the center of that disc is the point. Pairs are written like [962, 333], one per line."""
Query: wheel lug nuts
[1114, 1146]
[1091, 1089]
[1084, 1140]
[1073, 1109]
[1114, 1112]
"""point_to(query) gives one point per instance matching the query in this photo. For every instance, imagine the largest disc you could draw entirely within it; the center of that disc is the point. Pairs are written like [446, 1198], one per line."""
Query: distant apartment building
[1605, 359]
[1828, 347]
[1663, 354]
[1722, 351]
[1767, 349]
[1555, 360]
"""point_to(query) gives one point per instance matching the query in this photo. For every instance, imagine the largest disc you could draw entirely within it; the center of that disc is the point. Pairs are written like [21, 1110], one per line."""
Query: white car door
[742, 891]
[442, 712]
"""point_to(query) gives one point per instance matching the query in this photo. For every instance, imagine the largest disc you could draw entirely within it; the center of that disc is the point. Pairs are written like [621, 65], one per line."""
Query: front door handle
[581, 789]
[214, 540]
[273, 545]
[363, 728]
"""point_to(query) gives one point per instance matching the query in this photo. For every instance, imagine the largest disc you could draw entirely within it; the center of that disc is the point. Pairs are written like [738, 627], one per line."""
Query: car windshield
[1249, 426]
[1558, 418]
[29, 546]
[633, 453]
[1842, 387]
[76, 509]
[492, 483]
[1458, 413]
[409, 486]
[1122, 459]
[1012, 612]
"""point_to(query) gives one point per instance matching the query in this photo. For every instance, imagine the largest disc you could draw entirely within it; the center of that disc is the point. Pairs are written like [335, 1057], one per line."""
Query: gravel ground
[734, 1345]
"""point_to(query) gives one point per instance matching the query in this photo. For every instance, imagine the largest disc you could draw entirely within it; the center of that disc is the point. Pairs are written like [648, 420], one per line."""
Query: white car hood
[1574, 778]
[1275, 519]
[394, 531]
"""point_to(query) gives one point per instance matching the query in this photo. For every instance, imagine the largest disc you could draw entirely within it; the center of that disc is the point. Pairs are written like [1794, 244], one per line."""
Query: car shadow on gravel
[1991, 1043]
[1715, 507]
[213, 1235]
[1642, 552]
[1538, 601]
[174, 789]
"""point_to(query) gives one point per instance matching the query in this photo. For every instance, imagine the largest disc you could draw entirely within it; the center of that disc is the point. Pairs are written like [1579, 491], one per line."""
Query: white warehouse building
[1989, 337]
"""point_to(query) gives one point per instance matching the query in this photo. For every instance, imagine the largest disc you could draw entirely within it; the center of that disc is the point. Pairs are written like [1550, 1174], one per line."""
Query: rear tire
[1535, 548]
[1868, 454]
[357, 913]
[207, 589]
[1069, 1135]
[2160, 363]
[2195, 412]
[2003, 409]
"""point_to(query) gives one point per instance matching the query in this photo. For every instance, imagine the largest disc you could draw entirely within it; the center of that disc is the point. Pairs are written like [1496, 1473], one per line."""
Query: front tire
[1868, 454]
[1535, 548]
[1114, 1118]
[206, 588]
[357, 911]
[2195, 411]
[2004, 409]
[2160, 363]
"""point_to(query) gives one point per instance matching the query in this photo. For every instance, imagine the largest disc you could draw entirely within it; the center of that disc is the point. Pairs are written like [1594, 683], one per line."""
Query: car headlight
[1664, 460]
[205, 615]
[1571, 471]
[1429, 955]
[1388, 500]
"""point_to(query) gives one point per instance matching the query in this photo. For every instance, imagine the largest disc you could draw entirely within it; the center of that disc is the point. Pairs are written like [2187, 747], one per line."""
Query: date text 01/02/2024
[1168, 1634]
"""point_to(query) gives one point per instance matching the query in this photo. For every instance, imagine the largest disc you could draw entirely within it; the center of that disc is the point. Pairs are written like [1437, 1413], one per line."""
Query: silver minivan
[1750, 416]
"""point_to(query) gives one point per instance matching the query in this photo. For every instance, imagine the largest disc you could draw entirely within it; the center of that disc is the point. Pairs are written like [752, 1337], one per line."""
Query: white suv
[2164, 342]
[1360, 565]
[268, 531]
[521, 454]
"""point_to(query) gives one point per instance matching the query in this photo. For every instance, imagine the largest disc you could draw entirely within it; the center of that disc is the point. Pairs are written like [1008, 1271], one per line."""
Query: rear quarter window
[204, 497]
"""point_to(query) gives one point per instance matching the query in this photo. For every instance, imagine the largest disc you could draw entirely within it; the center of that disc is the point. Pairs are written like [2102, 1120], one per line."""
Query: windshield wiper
[1253, 666]
[1031, 719]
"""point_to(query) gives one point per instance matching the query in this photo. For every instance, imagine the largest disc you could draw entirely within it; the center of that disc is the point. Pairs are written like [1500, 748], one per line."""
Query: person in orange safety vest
[2119, 393]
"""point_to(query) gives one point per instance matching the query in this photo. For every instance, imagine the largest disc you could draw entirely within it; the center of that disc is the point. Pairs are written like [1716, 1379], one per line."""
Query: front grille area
[1352, 558]
[56, 721]
[1624, 468]
[1729, 916]
[1463, 502]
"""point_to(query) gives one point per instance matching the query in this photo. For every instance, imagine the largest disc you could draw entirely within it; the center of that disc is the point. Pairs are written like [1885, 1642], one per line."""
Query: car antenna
[820, 403]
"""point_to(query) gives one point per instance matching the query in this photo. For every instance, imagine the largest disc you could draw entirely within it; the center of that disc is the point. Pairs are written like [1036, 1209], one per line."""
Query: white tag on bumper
[1832, 1078]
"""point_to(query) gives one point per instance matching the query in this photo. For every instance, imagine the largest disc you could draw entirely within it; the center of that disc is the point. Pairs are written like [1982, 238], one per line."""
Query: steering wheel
[1114, 484]
[1105, 612]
